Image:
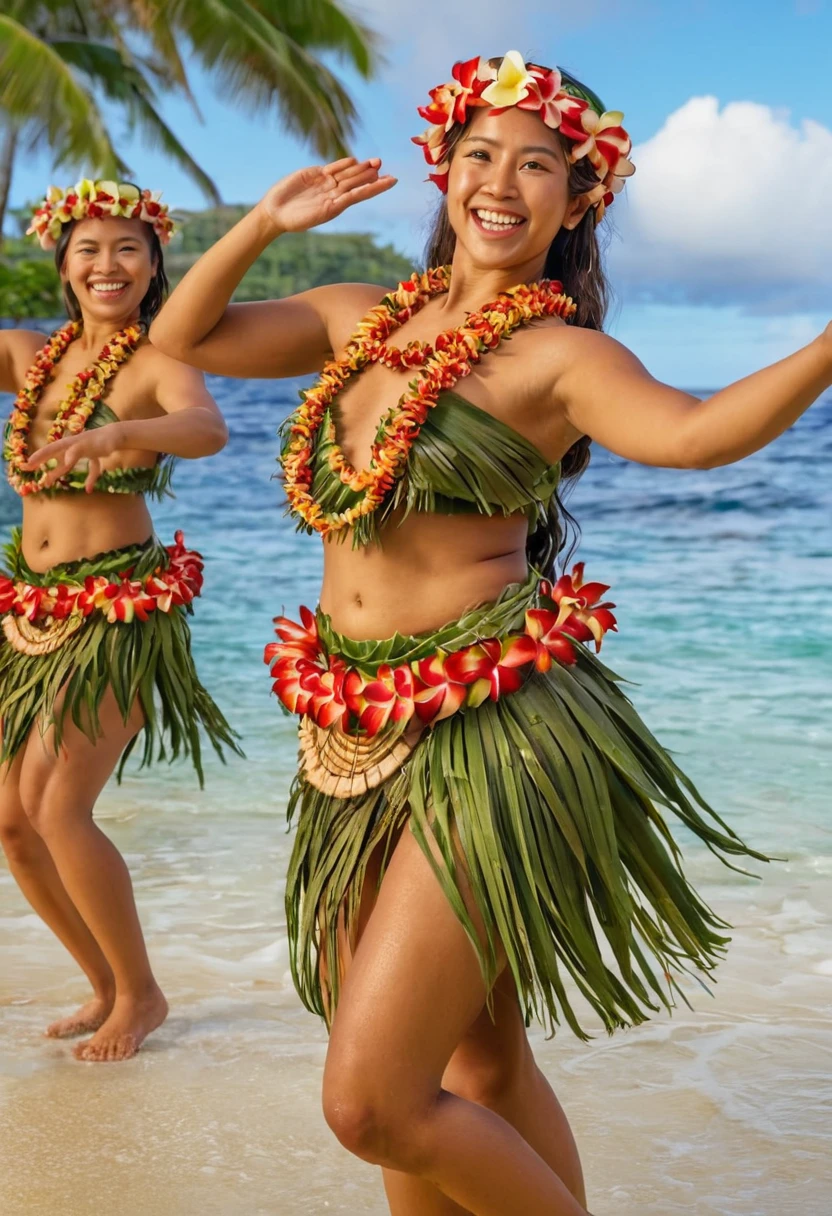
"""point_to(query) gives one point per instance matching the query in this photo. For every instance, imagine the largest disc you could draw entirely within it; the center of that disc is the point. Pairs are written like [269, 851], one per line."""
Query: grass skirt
[150, 660]
[550, 800]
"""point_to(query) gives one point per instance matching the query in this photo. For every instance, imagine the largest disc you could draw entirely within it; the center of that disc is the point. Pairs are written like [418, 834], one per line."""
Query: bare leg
[494, 1067]
[59, 793]
[412, 992]
[34, 871]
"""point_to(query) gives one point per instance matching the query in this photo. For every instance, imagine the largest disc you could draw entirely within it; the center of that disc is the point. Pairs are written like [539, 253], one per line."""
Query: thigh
[413, 989]
[74, 774]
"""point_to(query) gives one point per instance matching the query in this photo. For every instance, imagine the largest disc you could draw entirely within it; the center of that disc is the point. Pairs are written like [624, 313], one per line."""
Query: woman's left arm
[607, 394]
[190, 426]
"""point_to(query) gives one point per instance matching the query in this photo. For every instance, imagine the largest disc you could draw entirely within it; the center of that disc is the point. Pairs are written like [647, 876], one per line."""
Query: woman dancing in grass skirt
[481, 833]
[95, 651]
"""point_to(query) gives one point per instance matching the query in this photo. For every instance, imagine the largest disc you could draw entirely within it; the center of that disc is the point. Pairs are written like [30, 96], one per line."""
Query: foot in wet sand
[124, 1031]
[86, 1019]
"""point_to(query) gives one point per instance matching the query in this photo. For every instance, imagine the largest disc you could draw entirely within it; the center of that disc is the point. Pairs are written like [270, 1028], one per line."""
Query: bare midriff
[425, 573]
[66, 527]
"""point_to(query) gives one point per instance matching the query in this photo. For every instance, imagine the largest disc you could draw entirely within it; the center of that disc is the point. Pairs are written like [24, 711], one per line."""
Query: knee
[357, 1123]
[379, 1129]
[16, 835]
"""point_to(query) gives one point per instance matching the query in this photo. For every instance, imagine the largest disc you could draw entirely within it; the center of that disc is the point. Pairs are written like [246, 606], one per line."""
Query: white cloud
[729, 205]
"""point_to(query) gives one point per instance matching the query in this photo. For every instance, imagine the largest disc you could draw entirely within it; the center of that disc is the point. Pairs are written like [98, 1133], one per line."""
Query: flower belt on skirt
[39, 619]
[361, 721]
[112, 625]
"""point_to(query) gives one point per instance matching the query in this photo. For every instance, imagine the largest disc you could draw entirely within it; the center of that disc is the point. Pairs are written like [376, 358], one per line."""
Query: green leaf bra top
[464, 460]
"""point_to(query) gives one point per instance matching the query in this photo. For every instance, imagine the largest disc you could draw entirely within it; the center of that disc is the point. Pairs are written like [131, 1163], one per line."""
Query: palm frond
[38, 84]
[324, 25]
[123, 83]
[263, 68]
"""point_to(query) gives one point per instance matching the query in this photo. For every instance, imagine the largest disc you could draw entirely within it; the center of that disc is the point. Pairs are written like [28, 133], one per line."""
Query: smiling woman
[481, 813]
[96, 645]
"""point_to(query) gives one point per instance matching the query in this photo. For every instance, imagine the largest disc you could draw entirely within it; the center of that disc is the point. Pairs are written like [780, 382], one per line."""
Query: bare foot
[124, 1031]
[86, 1019]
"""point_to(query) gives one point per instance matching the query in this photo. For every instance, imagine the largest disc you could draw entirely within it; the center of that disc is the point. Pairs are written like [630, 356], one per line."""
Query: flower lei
[83, 394]
[96, 200]
[442, 363]
[561, 103]
[331, 693]
[167, 587]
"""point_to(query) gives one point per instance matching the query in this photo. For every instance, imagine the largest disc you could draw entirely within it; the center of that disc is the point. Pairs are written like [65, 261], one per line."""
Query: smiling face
[108, 264]
[508, 191]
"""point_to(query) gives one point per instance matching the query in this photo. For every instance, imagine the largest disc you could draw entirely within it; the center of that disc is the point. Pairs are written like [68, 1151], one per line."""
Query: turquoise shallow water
[723, 581]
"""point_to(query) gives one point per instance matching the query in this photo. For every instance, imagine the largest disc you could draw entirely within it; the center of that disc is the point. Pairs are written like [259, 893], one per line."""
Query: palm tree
[63, 63]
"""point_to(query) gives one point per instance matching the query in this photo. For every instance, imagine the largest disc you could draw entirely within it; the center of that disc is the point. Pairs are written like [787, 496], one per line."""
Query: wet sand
[727, 1110]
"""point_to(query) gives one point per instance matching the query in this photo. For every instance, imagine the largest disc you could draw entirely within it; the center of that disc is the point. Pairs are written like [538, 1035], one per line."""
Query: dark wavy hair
[575, 258]
[154, 297]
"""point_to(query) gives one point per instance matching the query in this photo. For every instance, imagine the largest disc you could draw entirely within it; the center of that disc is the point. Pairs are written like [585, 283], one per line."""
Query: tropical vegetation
[29, 285]
[68, 68]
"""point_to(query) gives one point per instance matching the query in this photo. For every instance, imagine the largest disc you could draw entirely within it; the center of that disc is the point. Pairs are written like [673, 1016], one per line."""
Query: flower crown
[97, 200]
[563, 104]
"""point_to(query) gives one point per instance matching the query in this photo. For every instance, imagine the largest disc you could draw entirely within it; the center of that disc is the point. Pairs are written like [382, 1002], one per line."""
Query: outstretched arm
[608, 394]
[278, 337]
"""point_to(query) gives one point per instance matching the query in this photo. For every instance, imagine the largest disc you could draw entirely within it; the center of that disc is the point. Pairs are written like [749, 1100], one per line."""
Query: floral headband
[562, 104]
[97, 200]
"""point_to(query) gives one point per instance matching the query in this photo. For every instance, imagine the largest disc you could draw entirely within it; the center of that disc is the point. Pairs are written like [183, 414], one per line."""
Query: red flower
[435, 695]
[387, 697]
[296, 641]
[63, 601]
[29, 602]
[295, 682]
[492, 667]
[327, 706]
[94, 594]
[128, 602]
[580, 613]
[542, 626]
[8, 592]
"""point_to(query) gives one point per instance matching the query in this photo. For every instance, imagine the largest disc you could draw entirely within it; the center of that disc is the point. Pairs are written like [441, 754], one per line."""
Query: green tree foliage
[67, 67]
[29, 284]
[295, 262]
[29, 289]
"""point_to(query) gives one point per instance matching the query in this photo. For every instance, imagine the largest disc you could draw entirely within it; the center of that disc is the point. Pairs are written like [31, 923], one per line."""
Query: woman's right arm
[275, 338]
[18, 348]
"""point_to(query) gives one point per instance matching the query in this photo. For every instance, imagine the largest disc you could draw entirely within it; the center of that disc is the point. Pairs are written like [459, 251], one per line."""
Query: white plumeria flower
[512, 83]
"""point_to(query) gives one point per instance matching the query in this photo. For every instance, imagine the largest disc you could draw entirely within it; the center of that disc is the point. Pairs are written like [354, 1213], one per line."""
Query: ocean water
[723, 581]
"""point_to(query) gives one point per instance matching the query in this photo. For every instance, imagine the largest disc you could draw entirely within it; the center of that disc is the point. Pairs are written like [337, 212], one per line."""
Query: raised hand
[312, 196]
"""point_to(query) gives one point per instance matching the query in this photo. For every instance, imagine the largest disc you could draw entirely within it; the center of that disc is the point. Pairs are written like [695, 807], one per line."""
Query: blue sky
[722, 258]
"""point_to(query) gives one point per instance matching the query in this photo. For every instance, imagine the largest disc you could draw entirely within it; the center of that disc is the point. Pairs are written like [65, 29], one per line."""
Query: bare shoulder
[18, 348]
[569, 350]
[344, 304]
[155, 376]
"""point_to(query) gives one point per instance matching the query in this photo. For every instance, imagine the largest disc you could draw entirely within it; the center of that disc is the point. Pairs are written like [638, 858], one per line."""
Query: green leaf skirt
[551, 802]
[146, 660]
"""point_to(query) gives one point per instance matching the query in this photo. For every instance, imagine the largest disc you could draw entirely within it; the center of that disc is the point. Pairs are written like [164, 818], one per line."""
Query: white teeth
[493, 221]
[103, 287]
